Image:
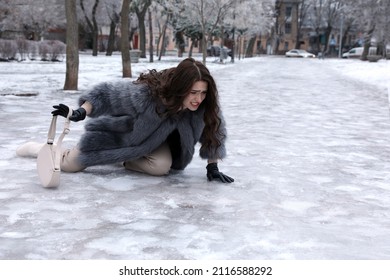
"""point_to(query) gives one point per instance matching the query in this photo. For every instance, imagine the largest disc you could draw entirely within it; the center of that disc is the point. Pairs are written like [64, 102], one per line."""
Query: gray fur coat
[125, 125]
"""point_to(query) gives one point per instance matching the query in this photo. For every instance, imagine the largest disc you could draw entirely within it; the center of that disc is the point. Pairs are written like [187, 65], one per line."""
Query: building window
[287, 28]
[286, 46]
[288, 12]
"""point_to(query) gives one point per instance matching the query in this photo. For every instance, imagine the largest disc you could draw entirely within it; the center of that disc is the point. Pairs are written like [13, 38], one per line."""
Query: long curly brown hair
[171, 86]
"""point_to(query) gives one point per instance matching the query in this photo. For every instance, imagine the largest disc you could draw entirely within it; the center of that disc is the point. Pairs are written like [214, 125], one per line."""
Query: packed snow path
[308, 148]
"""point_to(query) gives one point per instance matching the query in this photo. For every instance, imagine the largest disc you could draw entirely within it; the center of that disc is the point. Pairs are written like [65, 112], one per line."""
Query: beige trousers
[158, 163]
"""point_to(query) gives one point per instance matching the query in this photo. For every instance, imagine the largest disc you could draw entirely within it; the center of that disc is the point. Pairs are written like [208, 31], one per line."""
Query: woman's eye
[196, 92]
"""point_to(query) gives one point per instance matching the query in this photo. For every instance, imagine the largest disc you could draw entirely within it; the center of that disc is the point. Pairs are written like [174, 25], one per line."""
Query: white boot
[29, 149]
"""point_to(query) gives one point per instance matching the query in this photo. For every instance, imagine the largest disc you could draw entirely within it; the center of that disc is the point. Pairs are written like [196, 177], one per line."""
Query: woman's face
[196, 96]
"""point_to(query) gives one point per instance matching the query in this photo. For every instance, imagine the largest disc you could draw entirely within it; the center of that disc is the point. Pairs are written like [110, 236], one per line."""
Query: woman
[151, 125]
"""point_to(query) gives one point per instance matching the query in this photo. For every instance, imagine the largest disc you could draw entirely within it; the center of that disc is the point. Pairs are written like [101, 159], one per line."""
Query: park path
[309, 150]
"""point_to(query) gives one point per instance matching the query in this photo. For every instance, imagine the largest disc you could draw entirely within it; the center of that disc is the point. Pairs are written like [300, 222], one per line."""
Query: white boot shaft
[29, 149]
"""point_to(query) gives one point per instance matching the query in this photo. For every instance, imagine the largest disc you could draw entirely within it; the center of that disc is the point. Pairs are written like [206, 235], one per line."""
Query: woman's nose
[201, 96]
[198, 97]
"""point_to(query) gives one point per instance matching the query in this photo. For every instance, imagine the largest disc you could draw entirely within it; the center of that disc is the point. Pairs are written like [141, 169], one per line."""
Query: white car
[299, 53]
[357, 52]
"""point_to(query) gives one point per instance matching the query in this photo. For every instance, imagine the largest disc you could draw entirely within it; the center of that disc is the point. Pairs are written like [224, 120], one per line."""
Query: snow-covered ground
[308, 147]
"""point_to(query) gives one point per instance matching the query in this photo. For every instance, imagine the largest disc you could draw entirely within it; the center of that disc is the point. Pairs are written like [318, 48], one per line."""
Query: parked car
[299, 53]
[357, 52]
[216, 51]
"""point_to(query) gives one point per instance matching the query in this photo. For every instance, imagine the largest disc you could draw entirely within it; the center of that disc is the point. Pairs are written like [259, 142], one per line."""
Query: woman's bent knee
[158, 163]
[155, 167]
[160, 167]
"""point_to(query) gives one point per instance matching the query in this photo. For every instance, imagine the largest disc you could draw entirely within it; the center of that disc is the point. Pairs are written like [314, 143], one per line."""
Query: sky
[308, 147]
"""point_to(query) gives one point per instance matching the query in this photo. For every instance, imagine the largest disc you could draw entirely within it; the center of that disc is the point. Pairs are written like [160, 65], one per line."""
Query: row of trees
[188, 18]
[370, 19]
[200, 20]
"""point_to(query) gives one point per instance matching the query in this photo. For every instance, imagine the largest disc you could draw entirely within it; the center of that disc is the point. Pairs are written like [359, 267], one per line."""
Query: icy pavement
[308, 148]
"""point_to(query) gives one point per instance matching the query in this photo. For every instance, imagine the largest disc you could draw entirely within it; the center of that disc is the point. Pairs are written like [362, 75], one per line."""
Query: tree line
[368, 18]
[202, 21]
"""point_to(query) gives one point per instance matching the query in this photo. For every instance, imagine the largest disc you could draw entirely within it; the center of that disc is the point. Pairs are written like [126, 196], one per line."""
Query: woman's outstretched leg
[69, 159]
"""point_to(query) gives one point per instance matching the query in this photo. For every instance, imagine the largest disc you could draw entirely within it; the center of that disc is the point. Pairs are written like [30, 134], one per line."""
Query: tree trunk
[72, 43]
[158, 45]
[249, 49]
[162, 49]
[204, 49]
[111, 37]
[150, 36]
[95, 30]
[92, 25]
[94, 43]
[367, 41]
[142, 34]
[126, 66]
[141, 23]
[221, 55]
[203, 44]
[180, 43]
[192, 47]
[344, 38]
[328, 31]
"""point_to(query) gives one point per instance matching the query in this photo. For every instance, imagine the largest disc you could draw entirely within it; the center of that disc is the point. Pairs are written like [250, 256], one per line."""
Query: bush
[8, 50]
[44, 50]
[33, 50]
[51, 50]
[21, 49]
[58, 49]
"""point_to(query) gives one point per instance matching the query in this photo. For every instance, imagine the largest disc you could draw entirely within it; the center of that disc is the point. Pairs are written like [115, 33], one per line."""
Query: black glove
[63, 110]
[213, 173]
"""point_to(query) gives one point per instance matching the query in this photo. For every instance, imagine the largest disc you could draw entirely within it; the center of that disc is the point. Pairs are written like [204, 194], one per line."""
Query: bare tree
[150, 36]
[164, 11]
[331, 10]
[252, 19]
[317, 21]
[369, 29]
[92, 24]
[125, 49]
[302, 12]
[209, 15]
[140, 7]
[276, 32]
[72, 44]
[163, 36]
[114, 18]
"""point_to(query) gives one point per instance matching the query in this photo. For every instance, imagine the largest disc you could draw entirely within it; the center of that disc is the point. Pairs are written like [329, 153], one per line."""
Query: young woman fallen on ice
[151, 125]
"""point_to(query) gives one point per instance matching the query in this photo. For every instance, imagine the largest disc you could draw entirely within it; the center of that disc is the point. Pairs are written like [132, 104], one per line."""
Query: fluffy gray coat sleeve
[115, 99]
